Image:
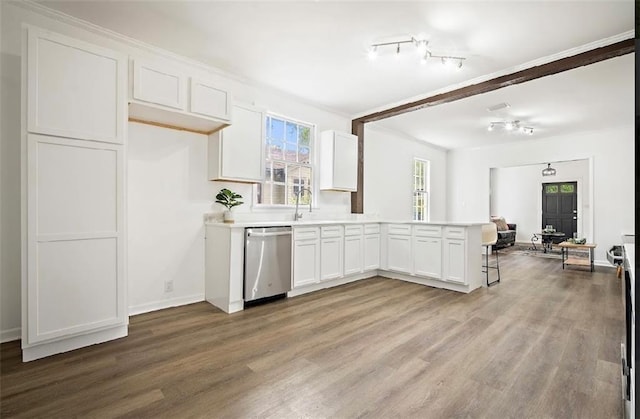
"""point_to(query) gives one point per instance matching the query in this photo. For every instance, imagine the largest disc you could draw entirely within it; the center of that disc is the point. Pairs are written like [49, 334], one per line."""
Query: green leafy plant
[228, 198]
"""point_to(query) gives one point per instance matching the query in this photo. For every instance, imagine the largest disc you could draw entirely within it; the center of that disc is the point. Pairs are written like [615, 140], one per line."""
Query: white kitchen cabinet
[399, 253]
[74, 89]
[163, 93]
[371, 252]
[224, 267]
[427, 256]
[338, 161]
[160, 84]
[236, 152]
[331, 252]
[306, 256]
[74, 285]
[209, 100]
[353, 254]
[454, 260]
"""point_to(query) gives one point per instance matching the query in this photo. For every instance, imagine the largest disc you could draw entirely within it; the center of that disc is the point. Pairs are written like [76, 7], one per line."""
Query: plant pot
[229, 217]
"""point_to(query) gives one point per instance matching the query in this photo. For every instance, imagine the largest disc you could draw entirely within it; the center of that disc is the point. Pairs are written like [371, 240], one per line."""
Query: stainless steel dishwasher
[267, 262]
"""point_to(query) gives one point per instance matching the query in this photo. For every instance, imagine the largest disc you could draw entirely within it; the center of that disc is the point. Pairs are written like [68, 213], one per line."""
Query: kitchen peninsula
[330, 253]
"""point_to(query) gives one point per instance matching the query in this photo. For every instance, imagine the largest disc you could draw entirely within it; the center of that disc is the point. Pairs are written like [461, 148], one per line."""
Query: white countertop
[302, 223]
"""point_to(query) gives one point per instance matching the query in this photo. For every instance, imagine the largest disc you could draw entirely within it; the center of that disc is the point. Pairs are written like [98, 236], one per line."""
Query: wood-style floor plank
[544, 343]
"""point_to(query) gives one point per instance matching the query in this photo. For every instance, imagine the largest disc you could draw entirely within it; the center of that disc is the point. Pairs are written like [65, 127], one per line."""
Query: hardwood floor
[544, 343]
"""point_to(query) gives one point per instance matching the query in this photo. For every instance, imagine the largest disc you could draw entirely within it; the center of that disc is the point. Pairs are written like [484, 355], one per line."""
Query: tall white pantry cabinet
[74, 131]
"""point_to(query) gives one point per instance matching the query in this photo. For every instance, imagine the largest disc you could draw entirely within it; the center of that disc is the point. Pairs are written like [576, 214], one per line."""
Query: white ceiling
[316, 50]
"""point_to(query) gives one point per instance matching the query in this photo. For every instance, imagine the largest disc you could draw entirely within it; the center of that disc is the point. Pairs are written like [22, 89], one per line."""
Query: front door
[560, 207]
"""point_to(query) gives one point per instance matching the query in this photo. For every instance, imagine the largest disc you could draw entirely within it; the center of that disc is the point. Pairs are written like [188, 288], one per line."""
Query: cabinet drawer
[353, 230]
[454, 232]
[305, 233]
[331, 231]
[427, 231]
[400, 229]
[371, 228]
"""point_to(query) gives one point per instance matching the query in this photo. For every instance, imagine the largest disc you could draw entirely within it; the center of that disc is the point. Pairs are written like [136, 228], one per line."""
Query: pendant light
[548, 171]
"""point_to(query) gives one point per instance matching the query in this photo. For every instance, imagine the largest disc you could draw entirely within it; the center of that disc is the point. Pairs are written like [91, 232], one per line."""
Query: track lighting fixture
[511, 126]
[421, 48]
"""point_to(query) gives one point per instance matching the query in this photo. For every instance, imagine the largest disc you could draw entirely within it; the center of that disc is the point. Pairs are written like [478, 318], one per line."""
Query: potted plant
[229, 199]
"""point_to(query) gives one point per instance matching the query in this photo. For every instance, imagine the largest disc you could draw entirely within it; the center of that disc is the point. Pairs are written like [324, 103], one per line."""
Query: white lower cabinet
[353, 247]
[371, 251]
[331, 252]
[427, 256]
[454, 261]
[399, 256]
[306, 256]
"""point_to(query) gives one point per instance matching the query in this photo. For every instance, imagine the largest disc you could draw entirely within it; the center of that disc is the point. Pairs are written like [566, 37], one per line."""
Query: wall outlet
[168, 286]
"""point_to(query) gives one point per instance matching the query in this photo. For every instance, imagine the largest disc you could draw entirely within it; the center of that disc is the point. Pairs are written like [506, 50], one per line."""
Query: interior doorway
[560, 207]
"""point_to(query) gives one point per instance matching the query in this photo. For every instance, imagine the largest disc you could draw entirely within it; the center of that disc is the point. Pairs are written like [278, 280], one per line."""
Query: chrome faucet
[298, 215]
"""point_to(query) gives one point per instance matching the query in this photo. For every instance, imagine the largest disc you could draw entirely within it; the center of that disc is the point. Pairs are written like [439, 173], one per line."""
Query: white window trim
[313, 163]
[427, 190]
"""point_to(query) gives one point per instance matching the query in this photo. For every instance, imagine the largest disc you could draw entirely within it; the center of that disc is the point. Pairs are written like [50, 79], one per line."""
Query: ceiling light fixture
[421, 48]
[510, 126]
[548, 171]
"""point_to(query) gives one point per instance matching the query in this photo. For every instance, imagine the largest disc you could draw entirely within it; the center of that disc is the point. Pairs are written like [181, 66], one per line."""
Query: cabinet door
[75, 237]
[306, 259]
[371, 252]
[454, 261]
[345, 166]
[338, 161]
[75, 89]
[331, 258]
[352, 254]
[399, 255]
[159, 84]
[238, 153]
[427, 256]
[209, 100]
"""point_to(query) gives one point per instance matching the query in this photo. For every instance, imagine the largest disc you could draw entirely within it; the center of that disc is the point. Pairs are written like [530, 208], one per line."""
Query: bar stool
[489, 238]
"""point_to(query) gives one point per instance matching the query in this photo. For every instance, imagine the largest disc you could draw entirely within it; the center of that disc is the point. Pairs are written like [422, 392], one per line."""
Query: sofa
[506, 233]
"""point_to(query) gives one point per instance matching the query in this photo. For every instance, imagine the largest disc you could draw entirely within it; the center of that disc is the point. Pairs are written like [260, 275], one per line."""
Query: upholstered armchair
[506, 233]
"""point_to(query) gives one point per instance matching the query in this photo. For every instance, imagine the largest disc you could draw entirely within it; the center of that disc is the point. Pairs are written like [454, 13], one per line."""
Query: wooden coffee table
[567, 259]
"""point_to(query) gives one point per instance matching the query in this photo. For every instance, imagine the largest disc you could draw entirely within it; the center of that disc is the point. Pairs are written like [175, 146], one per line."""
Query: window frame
[312, 164]
[425, 192]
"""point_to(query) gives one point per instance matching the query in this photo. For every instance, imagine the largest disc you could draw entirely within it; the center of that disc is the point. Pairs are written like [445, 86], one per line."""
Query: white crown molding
[99, 30]
[534, 63]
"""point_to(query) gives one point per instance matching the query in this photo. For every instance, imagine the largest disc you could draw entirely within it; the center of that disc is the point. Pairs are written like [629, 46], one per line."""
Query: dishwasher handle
[256, 234]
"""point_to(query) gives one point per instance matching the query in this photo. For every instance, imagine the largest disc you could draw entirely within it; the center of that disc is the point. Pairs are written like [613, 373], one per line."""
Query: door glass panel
[567, 188]
[551, 189]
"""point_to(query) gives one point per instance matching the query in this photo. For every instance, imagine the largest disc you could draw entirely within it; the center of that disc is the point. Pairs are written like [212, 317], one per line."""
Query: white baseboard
[10, 335]
[159, 305]
[34, 352]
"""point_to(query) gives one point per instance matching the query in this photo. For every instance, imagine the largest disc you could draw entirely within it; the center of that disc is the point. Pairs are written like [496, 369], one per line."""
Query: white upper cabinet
[209, 100]
[166, 94]
[75, 89]
[338, 161]
[235, 153]
[159, 84]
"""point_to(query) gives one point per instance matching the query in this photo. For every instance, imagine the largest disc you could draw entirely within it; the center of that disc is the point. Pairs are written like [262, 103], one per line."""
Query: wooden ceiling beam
[554, 67]
[579, 60]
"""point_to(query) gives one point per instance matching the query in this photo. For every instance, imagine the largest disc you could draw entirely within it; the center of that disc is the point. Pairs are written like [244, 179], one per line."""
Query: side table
[569, 260]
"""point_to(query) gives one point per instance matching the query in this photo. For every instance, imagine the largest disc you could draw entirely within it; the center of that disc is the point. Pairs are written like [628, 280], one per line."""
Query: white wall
[388, 174]
[9, 187]
[516, 194]
[167, 188]
[612, 152]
